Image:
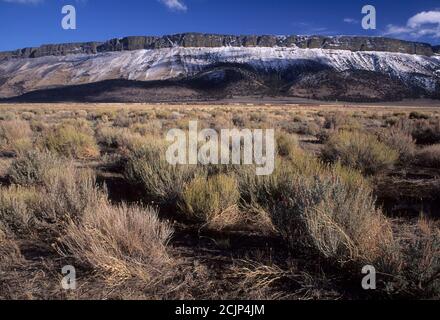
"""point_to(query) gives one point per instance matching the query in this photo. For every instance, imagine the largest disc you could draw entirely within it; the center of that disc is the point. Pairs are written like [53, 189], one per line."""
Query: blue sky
[25, 23]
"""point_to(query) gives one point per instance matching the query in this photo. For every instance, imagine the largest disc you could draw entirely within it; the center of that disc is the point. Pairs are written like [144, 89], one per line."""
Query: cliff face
[195, 40]
[205, 66]
[180, 72]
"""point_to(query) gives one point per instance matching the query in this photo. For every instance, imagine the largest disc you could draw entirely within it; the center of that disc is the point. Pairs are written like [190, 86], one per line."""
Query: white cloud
[425, 17]
[351, 21]
[392, 29]
[423, 24]
[176, 5]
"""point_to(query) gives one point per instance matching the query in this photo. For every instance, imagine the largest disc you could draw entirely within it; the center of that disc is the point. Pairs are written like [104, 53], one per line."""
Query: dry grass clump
[265, 190]
[204, 194]
[329, 210]
[27, 116]
[4, 167]
[419, 275]
[259, 191]
[66, 194]
[81, 113]
[211, 198]
[7, 115]
[64, 209]
[124, 119]
[400, 141]
[127, 118]
[342, 223]
[239, 120]
[60, 193]
[429, 156]
[81, 125]
[418, 115]
[15, 136]
[259, 117]
[311, 128]
[423, 131]
[31, 167]
[108, 136]
[286, 144]
[38, 126]
[300, 124]
[268, 281]
[17, 208]
[120, 242]
[258, 279]
[159, 181]
[341, 121]
[71, 141]
[121, 138]
[359, 150]
[152, 127]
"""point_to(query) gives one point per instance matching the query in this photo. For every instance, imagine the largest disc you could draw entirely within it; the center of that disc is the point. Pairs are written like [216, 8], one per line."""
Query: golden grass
[15, 136]
[120, 242]
[31, 167]
[17, 209]
[286, 144]
[399, 140]
[70, 141]
[212, 199]
[159, 181]
[359, 150]
[326, 210]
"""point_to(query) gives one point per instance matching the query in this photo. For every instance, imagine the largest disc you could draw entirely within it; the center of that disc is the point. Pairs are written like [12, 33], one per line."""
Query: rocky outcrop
[352, 43]
[187, 73]
[52, 50]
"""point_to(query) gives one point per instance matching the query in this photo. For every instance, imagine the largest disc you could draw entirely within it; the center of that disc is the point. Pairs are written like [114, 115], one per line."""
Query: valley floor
[87, 185]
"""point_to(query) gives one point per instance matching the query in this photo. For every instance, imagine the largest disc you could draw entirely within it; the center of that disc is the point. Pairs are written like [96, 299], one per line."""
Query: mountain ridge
[205, 40]
[207, 67]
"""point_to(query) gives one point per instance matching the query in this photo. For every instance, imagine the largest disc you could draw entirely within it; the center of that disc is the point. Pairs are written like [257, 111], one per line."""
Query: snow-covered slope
[18, 76]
